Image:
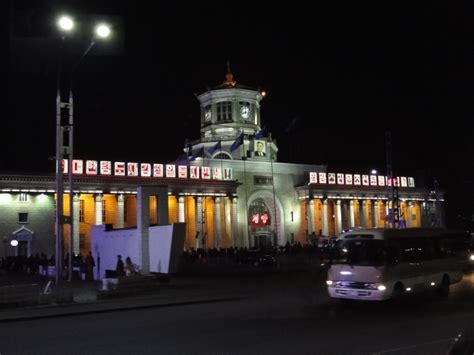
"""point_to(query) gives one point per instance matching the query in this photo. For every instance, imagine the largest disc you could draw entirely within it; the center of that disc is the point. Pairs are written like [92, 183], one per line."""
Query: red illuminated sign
[260, 219]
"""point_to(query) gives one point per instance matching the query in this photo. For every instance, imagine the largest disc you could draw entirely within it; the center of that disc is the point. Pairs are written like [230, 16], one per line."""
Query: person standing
[90, 267]
[119, 269]
[129, 268]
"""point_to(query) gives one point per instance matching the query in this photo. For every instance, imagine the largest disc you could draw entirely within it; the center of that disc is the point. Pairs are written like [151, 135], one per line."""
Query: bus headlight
[375, 286]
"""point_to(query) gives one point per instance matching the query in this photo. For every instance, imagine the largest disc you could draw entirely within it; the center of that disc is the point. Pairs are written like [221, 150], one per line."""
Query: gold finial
[229, 77]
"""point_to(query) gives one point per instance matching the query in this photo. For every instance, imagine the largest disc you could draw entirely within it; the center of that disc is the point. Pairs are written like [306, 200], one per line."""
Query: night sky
[337, 77]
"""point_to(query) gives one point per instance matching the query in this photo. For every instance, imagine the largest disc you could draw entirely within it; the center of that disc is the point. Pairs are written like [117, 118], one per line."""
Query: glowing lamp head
[65, 23]
[14, 243]
[373, 172]
[102, 30]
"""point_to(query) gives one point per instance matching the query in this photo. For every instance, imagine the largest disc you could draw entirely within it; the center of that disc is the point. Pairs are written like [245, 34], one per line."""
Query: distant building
[228, 193]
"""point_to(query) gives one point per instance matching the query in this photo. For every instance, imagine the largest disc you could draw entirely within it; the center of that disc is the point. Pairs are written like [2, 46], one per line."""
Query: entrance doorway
[22, 249]
[263, 241]
[24, 236]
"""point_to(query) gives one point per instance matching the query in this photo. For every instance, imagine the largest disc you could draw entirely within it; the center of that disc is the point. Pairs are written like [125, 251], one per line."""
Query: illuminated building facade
[231, 192]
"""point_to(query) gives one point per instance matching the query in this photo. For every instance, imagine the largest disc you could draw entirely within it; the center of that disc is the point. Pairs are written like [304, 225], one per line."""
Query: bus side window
[459, 244]
[393, 251]
[429, 252]
[412, 249]
[438, 250]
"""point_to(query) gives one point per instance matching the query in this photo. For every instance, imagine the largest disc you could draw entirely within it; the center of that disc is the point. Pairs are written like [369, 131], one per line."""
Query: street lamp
[102, 31]
[373, 172]
[65, 23]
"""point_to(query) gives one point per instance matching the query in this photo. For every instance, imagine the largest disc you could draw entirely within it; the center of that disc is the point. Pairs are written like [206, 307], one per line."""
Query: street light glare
[14, 243]
[102, 30]
[373, 172]
[65, 23]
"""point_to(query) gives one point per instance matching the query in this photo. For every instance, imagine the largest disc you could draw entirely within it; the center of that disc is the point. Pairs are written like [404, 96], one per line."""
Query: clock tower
[227, 111]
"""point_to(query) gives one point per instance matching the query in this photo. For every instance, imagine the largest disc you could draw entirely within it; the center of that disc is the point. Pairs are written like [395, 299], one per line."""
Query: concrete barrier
[19, 295]
[128, 286]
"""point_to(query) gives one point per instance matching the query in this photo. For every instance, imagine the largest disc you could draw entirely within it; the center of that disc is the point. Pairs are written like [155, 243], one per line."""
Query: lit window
[81, 210]
[125, 209]
[103, 211]
[82, 241]
[22, 197]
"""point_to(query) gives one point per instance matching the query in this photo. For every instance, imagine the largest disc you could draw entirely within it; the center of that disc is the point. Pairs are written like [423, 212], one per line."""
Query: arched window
[259, 216]
[221, 156]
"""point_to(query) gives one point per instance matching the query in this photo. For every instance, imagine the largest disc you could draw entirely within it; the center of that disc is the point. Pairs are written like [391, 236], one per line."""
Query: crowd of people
[243, 255]
[38, 264]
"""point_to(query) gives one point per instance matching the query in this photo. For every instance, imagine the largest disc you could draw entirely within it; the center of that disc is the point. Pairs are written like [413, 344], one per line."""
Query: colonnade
[331, 216]
[211, 221]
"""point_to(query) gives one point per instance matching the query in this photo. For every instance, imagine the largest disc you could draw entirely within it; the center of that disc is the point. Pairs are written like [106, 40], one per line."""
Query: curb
[118, 309]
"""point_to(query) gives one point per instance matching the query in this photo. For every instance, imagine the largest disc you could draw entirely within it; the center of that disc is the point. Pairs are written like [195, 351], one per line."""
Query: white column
[338, 217]
[98, 209]
[362, 213]
[228, 217]
[310, 207]
[75, 224]
[162, 213]
[376, 214]
[217, 223]
[198, 221]
[351, 214]
[410, 211]
[325, 218]
[372, 210]
[120, 211]
[143, 224]
[234, 223]
[180, 209]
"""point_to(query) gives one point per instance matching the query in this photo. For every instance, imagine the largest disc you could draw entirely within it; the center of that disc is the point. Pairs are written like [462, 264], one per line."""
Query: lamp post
[66, 25]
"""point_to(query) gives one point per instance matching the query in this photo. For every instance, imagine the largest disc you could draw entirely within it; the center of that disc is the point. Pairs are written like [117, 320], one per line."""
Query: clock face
[245, 112]
[207, 114]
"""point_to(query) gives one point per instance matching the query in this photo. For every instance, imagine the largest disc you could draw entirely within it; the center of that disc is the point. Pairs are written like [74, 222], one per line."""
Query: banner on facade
[358, 179]
[146, 170]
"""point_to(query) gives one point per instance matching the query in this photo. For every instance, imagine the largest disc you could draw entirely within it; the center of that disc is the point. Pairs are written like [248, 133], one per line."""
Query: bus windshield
[360, 252]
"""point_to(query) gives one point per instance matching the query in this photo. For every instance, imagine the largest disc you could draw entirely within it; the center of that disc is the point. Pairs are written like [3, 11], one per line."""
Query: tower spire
[229, 77]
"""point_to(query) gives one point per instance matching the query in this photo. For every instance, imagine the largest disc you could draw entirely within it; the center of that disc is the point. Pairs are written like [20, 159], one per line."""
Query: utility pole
[394, 217]
[63, 150]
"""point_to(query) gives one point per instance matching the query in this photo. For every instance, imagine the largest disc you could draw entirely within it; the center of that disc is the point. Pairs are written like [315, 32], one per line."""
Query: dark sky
[344, 73]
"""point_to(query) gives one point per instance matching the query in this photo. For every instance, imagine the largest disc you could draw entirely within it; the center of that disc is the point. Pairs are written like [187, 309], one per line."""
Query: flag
[212, 149]
[238, 142]
[182, 159]
[292, 125]
[261, 133]
[199, 153]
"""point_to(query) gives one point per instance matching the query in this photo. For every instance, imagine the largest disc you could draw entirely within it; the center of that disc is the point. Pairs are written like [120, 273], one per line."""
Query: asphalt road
[285, 314]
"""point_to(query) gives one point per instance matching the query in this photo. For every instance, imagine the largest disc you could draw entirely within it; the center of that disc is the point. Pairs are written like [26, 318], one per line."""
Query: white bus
[379, 264]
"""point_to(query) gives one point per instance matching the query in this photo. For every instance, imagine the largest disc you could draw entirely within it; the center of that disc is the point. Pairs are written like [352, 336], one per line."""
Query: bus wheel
[398, 292]
[443, 289]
